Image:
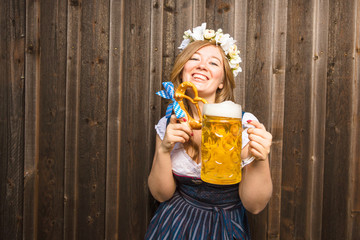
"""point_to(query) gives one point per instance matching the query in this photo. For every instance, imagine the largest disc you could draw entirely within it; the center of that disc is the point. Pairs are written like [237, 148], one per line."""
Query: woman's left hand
[260, 140]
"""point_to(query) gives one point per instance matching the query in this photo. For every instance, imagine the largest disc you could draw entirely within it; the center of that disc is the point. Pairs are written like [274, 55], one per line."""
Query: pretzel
[180, 95]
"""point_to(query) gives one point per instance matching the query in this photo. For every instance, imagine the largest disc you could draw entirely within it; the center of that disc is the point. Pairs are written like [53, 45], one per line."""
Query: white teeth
[199, 76]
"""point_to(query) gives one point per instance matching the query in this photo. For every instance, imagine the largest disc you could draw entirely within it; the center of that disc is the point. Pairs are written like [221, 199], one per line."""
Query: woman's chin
[199, 85]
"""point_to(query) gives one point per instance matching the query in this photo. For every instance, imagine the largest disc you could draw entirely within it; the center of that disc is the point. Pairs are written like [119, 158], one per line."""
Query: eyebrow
[210, 56]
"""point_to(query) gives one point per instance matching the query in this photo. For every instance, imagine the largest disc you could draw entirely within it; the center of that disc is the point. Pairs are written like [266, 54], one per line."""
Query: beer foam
[224, 109]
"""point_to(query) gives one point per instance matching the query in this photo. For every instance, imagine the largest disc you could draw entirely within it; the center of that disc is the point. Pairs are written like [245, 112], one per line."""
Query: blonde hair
[224, 94]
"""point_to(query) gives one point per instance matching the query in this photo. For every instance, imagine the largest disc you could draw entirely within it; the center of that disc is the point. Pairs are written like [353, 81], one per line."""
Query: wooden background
[78, 108]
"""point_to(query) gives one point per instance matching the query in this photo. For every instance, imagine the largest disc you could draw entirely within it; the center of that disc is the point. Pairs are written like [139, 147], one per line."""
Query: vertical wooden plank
[240, 35]
[31, 131]
[134, 116]
[52, 73]
[156, 78]
[259, 68]
[277, 114]
[177, 19]
[341, 61]
[73, 69]
[93, 119]
[220, 14]
[116, 50]
[5, 140]
[258, 85]
[199, 12]
[12, 24]
[317, 120]
[354, 181]
[295, 174]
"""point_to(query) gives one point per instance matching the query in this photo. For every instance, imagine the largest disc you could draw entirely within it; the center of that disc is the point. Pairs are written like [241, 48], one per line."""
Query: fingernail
[192, 134]
[184, 119]
[248, 121]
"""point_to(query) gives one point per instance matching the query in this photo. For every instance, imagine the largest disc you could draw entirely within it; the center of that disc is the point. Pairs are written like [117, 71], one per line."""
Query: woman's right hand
[178, 130]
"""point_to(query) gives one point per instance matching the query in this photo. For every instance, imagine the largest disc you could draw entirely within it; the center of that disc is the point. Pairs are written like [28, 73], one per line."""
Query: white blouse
[183, 164]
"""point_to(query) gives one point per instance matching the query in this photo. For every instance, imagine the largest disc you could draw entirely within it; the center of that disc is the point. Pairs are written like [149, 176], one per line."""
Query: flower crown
[226, 42]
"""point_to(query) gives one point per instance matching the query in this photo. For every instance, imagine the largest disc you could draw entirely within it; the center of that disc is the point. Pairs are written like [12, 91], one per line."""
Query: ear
[221, 86]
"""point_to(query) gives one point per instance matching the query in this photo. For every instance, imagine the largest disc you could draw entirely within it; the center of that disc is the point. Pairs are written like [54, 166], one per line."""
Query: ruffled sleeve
[161, 127]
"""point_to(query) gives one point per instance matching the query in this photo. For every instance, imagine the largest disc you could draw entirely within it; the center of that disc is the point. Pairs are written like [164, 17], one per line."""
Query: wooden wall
[78, 107]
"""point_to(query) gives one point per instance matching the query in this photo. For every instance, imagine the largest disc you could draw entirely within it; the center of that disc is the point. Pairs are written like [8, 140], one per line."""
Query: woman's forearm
[161, 181]
[256, 186]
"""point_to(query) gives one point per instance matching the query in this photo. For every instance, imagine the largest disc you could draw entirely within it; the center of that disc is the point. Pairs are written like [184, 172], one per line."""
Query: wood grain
[93, 99]
[354, 180]
[277, 114]
[116, 49]
[12, 109]
[338, 115]
[296, 158]
[135, 123]
[51, 114]
[258, 81]
[73, 69]
[31, 126]
[318, 119]
[240, 29]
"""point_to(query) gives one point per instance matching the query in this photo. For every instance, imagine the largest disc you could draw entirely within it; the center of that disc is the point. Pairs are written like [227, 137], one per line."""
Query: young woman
[191, 208]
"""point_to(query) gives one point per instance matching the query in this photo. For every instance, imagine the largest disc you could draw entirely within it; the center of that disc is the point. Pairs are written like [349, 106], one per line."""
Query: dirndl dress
[200, 210]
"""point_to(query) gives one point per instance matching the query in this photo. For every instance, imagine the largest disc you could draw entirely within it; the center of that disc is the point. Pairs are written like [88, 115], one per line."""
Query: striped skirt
[183, 217]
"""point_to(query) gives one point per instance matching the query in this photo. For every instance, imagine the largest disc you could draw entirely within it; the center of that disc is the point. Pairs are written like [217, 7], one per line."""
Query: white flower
[233, 52]
[227, 42]
[198, 32]
[187, 34]
[222, 38]
[236, 59]
[234, 63]
[209, 34]
[218, 37]
[184, 43]
[236, 71]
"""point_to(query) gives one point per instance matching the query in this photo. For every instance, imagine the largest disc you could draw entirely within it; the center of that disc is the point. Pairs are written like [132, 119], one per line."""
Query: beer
[221, 143]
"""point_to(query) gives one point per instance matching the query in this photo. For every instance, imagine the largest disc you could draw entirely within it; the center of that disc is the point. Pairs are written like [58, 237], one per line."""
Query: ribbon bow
[168, 93]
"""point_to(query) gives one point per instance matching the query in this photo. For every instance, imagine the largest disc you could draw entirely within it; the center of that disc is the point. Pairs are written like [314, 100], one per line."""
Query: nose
[202, 65]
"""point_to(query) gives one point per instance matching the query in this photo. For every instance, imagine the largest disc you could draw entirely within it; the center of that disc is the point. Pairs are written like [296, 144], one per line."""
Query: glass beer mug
[221, 143]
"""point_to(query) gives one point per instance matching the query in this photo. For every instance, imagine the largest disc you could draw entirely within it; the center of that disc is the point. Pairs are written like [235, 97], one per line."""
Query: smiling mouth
[200, 77]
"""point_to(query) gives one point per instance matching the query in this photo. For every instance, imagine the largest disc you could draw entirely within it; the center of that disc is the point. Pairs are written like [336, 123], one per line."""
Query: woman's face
[205, 69]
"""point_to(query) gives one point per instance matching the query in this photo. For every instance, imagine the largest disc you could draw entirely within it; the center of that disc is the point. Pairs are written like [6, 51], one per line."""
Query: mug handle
[247, 161]
[251, 158]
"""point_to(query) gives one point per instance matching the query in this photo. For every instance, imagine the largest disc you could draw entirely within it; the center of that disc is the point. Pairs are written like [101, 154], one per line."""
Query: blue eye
[214, 63]
[194, 58]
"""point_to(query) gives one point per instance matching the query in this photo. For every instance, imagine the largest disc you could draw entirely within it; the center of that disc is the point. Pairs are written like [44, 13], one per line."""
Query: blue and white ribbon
[168, 93]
